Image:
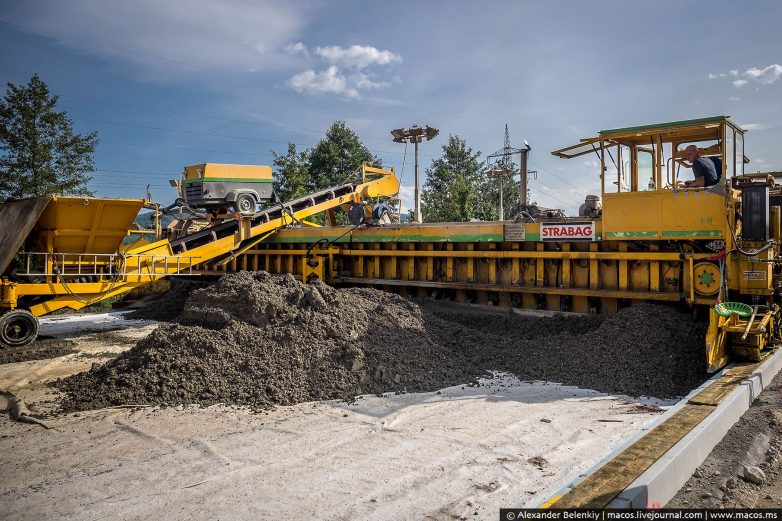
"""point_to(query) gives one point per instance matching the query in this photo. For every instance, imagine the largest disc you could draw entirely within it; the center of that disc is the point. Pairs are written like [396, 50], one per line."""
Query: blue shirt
[704, 167]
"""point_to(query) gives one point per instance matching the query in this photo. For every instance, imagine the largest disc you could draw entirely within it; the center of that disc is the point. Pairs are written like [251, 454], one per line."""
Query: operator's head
[691, 153]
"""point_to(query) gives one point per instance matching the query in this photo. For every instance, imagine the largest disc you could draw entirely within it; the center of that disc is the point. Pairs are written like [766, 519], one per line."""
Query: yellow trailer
[215, 186]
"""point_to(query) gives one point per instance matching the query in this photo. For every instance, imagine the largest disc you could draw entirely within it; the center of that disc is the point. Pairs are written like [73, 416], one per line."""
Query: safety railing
[41, 264]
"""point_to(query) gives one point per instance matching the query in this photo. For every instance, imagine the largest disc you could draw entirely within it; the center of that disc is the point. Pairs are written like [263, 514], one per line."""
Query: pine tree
[39, 152]
[291, 173]
[453, 181]
[337, 156]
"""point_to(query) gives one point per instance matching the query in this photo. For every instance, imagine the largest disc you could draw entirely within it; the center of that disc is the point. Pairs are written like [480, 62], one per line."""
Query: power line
[220, 118]
[208, 116]
[176, 147]
[569, 197]
[131, 172]
[211, 134]
[179, 131]
[552, 192]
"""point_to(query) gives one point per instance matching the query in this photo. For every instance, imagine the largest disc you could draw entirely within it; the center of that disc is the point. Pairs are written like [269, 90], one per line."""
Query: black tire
[245, 203]
[18, 328]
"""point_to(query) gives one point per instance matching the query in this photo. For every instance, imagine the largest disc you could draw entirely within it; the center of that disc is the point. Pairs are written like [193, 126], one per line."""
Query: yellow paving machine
[645, 238]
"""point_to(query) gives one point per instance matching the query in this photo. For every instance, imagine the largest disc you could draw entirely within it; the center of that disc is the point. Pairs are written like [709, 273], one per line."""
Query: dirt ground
[755, 441]
[457, 453]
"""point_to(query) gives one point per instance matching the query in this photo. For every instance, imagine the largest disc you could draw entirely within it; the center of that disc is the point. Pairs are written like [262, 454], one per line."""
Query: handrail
[89, 265]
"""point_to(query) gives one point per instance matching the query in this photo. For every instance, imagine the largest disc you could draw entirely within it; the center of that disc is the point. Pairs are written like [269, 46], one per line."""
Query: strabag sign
[572, 231]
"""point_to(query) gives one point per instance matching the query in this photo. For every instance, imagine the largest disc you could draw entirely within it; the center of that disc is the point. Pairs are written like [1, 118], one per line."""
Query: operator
[703, 168]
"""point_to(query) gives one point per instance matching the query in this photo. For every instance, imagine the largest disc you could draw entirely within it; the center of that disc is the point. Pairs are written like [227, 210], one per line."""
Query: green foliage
[291, 173]
[452, 188]
[39, 153]
[336, 157]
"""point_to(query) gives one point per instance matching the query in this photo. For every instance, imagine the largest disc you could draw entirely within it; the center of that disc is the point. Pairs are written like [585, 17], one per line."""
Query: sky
[173, 83]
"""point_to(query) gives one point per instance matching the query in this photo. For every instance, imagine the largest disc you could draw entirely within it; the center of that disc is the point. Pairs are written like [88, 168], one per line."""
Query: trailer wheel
[245, 203]
[18, 328]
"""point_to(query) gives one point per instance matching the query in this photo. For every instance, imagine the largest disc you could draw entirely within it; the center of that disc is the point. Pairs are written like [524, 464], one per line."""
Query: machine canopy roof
[702, 129]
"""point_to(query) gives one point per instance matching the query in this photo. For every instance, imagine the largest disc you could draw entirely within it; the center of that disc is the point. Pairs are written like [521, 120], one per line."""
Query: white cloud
[734, 98]
[356, 59]
[755, 126]
[357, 56]
[297, 48]
[364, 81]
[168, 39]
[329, 81]
[766, 75]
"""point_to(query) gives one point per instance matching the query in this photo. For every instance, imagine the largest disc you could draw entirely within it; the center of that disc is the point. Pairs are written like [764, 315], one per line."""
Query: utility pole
[417, 207]
[415, 134]
[523, 153]
[503, 167]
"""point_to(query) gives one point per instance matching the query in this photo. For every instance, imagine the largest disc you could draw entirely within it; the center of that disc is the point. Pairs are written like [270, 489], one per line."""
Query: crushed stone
[168, 306]
[42, 349]
[260, 340]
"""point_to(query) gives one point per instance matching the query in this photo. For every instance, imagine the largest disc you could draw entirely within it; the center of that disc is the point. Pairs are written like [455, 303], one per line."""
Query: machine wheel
[18, 328]
[707, 278]
[245, 203]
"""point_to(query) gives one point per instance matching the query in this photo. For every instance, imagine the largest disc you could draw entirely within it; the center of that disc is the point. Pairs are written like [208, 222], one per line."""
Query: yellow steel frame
[579, 277]
[150, 262]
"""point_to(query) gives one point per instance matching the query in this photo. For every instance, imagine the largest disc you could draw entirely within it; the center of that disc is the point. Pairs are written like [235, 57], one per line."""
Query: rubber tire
[245, 203]
[11, 321]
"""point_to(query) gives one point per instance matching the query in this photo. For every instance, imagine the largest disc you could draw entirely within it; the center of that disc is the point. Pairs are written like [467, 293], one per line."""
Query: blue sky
[168, 84]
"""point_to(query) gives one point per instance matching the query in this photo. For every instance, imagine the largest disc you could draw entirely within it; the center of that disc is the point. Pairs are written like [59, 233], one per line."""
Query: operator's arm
[697, 183]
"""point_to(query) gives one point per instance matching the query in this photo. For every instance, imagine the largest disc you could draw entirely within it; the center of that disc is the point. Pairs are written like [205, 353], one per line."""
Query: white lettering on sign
[754, 275]
[573, 231]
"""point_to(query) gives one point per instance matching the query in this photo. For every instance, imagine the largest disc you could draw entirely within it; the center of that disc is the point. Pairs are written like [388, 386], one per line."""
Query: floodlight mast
[415, 134]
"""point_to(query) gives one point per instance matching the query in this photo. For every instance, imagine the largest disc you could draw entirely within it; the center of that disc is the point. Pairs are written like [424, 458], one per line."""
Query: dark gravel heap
[42, 349]
[259, 340]
[169, 305]
[644, 350]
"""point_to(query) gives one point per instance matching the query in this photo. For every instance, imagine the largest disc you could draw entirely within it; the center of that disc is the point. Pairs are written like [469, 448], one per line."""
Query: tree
[337, 156]
[291, 173]
[39, 152]
[451, 190]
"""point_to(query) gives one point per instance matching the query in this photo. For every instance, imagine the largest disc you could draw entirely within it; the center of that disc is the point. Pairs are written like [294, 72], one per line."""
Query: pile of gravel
[259, 340]
[644, 350]
[168, 306]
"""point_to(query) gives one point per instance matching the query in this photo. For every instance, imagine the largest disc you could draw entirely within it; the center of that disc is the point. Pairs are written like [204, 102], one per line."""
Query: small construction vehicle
[220, 188]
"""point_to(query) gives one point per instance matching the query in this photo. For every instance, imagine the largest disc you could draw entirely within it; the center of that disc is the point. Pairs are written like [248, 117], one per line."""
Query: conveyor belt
[147, 262]
[229, 228]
